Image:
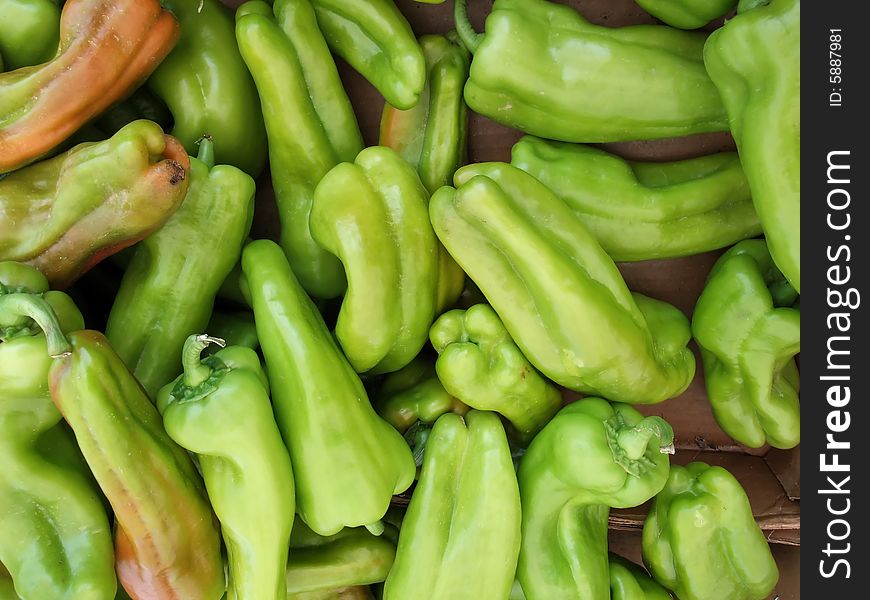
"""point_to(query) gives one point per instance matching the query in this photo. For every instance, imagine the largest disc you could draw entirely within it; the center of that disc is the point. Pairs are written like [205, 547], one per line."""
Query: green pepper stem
[14, 308]
[206, 151]
[376, 528]
[195, 373]
[470, 37]
[634, 441]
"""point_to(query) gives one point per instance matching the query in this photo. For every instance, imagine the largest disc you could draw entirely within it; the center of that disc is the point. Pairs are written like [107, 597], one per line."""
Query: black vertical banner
[835, 55]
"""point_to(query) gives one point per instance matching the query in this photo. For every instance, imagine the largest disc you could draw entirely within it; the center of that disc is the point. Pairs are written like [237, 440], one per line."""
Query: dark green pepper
[29, 32]
[237, 328]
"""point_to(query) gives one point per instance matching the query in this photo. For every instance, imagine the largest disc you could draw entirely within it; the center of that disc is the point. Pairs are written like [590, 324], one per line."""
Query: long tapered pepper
[542, 68]
[645, 210]
[376, 40]
[65, 214]
[309, 121]
[219, 409]
[55, 537]
[107, 48]
[559, 295]
[167, 544]
[347, 461]
[754, 60]
[461, 535]
[208, 88]
[591, 457]
[169, 287]
[29, 32]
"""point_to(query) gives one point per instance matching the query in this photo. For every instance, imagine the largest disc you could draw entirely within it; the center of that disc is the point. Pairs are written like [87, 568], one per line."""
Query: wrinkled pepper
[352, 557]
[219, 409]
[65, 214]
[645, 210]
[754, 60]
[460, 537]
[29, 32]
[593, 456]
[701, 541]
[208, 88]
[56, 542]
[169, 288]
[376, 40]
[558, 293]
[629, 581]
[542, 68]
[347, 462]
[237, 328]
[390, 255]
[167, 543]
[309, 121]
[414, 394]
[687, 14]
[107, 48]
[480, 364]
[748, 340]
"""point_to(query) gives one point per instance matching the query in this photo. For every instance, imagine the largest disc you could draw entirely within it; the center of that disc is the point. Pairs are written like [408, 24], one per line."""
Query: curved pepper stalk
[748, 342]
[107, 48]
[591, 457]
[559, 295]
[66, 214]
[701, 541]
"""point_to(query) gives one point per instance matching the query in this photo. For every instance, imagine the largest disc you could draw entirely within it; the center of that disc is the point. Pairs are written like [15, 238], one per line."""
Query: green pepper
[701, 541]
[543, 69]
[559, 295]
[237, 328]
[352, 557]
[167, 543]
[55, 537]
[309, 121]
[169, 288]
[376, 40]
[65, 214]
[29, 32]
[687, 14]
[208, 88]
[219, 409]
[480, 364]
[754, 60]
[643, 210]
[414, 394]
[347, 462]
[748, 341]
[629, 581]
[390, 255]
[107, 48]
[461, 535]
[593, 456]
[432, 135]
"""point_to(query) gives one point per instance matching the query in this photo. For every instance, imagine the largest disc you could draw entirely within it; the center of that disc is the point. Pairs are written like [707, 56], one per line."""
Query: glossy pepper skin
[629, 581]
[643, 211]
[107, 48]
[336, 440]
[701, 541]
[593, 456]
[376, 40]
[372, 214]
[461, 534]
[687, 14]
[480, 364]
[65, 214]
[56, 540]
[208, 88]
[169, 288]
[310, 124]
[629, 83]
[754, 60]
[559, 295]
[219, 409]
[414, 394]
[29, 32]
[352, 557]
[748, 340]
[167, 543]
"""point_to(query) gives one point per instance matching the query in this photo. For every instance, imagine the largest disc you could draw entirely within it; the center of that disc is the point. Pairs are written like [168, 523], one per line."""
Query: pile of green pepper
[369, 389]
